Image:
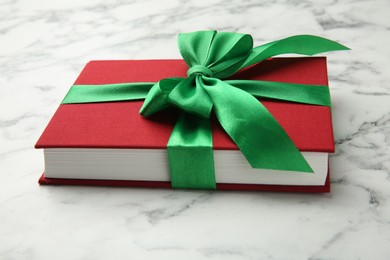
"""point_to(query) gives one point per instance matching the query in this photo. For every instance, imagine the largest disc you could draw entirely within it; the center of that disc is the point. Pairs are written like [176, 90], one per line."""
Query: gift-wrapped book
[219, 119]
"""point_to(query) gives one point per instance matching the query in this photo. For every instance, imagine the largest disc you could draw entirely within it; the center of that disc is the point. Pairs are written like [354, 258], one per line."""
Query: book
[111, 144]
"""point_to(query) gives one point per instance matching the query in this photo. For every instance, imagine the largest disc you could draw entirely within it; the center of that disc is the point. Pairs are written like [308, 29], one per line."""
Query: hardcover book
[111, 144]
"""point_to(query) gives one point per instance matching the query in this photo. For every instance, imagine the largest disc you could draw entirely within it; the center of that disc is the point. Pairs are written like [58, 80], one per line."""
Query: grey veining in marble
[43, 47]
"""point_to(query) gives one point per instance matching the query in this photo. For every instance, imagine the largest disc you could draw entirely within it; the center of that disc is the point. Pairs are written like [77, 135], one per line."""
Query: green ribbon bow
[212, 57]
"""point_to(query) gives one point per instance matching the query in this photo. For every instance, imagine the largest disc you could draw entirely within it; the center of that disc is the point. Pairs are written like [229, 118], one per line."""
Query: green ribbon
[212, 57]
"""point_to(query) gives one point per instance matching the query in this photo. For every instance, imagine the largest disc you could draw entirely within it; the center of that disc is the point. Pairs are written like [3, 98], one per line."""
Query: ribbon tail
[299, 44]
[190, 153]
[254, 130]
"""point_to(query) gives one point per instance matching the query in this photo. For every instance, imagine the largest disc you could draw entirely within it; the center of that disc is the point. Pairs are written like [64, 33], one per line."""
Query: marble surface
[45, 44]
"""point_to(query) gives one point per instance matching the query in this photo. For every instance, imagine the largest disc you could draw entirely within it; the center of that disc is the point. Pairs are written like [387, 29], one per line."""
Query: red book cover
[119, 125]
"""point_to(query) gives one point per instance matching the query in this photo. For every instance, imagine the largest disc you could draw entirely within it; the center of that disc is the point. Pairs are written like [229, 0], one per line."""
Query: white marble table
[43, 47]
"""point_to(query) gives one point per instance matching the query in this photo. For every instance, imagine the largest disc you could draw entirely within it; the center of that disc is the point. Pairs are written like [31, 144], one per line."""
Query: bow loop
[218, 54]
[157, 97]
